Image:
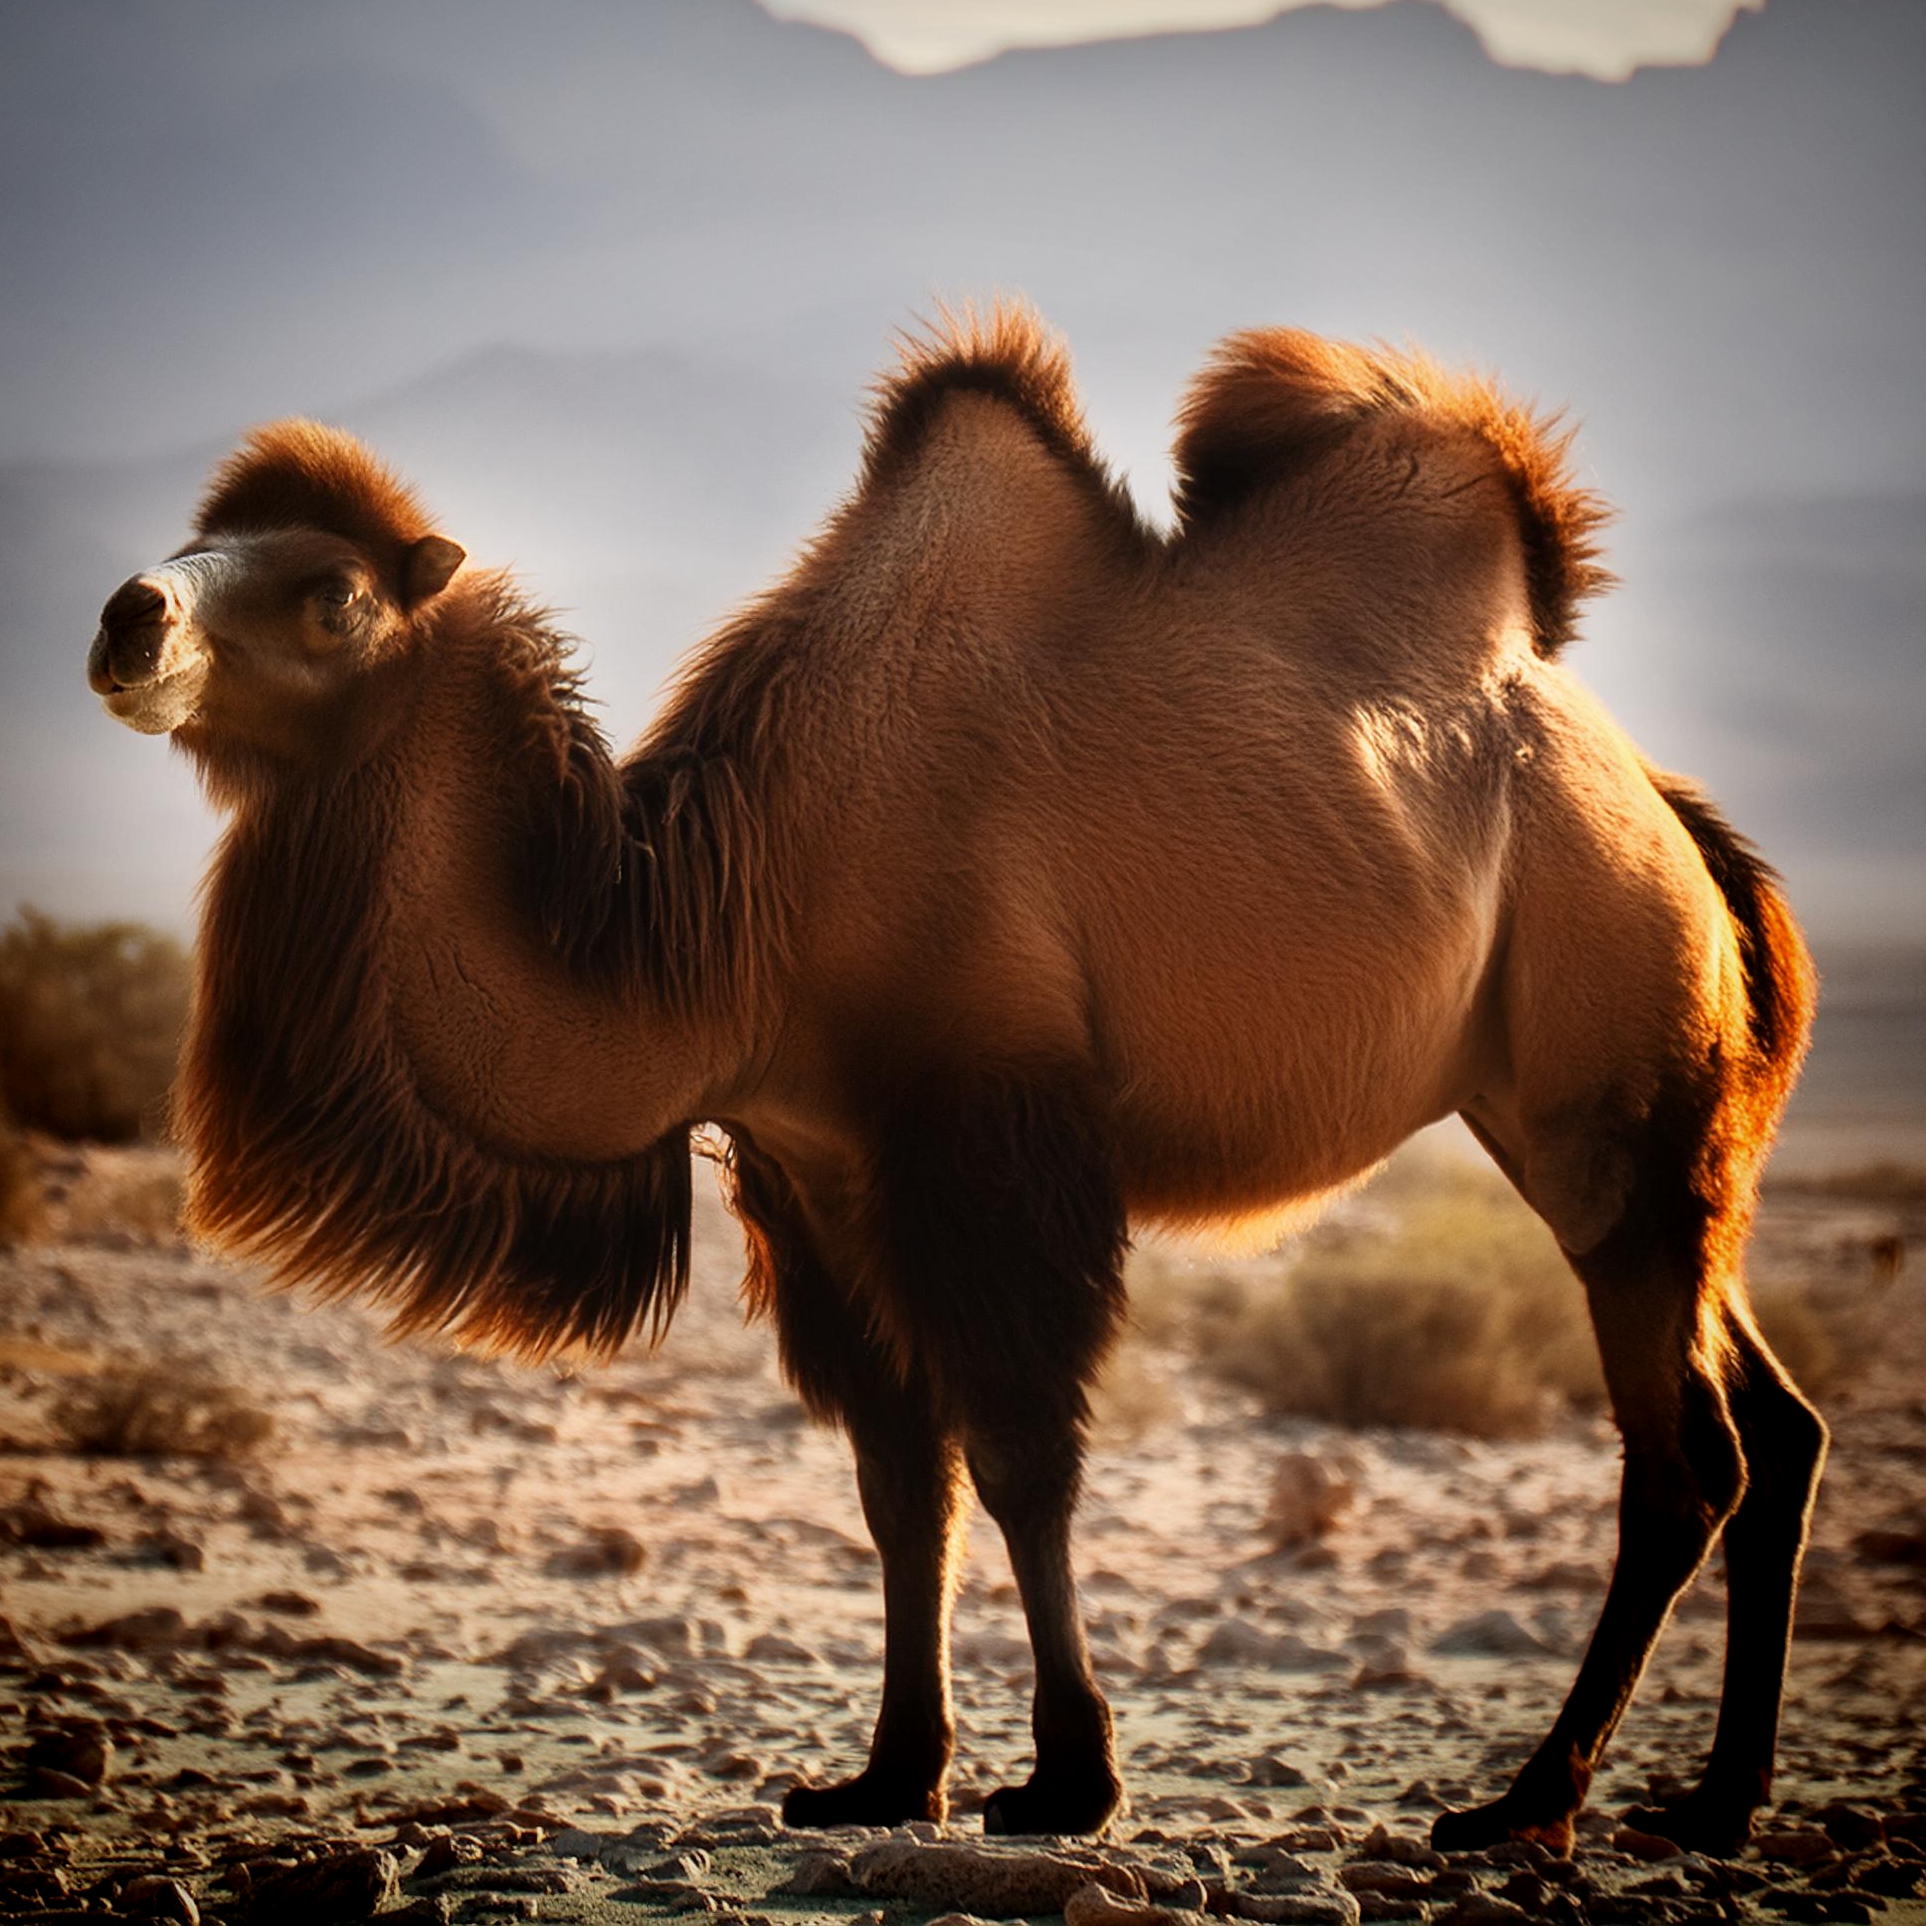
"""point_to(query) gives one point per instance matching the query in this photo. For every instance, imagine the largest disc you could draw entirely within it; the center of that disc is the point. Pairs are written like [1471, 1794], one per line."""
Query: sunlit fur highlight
[1274, 405]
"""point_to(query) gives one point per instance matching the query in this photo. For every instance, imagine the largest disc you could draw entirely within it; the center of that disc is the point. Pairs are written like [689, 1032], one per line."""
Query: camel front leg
[1000, 1208]
[1029, 1486]
[909, 1474]
[911, 1485]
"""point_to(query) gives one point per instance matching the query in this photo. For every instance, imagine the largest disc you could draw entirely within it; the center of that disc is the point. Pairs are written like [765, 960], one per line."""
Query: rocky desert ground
[299, 1625]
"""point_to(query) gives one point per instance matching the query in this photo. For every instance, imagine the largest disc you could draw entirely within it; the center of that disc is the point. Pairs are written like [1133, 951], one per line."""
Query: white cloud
[1607, 39]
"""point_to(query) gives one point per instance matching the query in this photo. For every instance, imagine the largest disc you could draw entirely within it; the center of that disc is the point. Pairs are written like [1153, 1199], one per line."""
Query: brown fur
[1275, 403]
[1006, 875]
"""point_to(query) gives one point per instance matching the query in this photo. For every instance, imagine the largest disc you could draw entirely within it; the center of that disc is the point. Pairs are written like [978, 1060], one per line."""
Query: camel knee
[1683, 1480]
[1785, 1441]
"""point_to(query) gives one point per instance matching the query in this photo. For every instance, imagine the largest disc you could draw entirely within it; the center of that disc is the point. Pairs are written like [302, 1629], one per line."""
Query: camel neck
[395, 1084]
[513, 971]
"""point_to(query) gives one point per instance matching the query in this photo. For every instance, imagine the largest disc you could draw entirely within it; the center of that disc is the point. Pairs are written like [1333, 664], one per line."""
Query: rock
[1325, 1908]
[159, 1628]
[1648, 1846]
[447, 1852]
[608, 1551]
[79, 1752]
[15, 1652]
[1493, 1634]
[768, 1646]
[1393, 1848]
[46, 1782]
[157, 1897]
[346, 1652]
[1480, 1909]
[1854, 1827]
[818, 1875]
[173, 1549]
[289, 1604]
[1307, 1500]
[1794, 1845]
[1095, 1905]
[1383, 1881]
[31, 1525]
[997, 1883]
[32, 1886]
[1236, 1641]
[341, 1886]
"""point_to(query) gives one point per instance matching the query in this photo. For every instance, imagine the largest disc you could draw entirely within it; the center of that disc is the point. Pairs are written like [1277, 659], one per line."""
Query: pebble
[608, 1551]
[1492, 1634]
[157, 1897]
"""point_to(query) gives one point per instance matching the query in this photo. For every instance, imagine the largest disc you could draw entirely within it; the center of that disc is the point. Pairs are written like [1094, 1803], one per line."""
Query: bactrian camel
[1010, 874]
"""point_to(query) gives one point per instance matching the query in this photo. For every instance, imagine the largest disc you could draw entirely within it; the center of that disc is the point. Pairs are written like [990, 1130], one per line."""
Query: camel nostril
[135, 601]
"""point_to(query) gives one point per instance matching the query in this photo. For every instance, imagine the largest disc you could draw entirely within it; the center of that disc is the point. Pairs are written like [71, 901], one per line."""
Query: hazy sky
[609, 280]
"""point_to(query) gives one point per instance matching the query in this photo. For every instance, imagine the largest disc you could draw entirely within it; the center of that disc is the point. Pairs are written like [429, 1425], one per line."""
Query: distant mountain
[695, 226]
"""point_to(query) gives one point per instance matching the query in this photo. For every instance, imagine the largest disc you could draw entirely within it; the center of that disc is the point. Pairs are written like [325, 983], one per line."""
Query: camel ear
[428, 566]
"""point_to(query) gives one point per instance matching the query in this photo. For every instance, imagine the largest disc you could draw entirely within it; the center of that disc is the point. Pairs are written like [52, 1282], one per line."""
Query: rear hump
[1273, 401]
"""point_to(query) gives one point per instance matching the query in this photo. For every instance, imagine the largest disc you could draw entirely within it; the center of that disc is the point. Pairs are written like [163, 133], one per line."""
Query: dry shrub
[170, 1408]
[1134, 1397]
[1883, 1183]
[90, 1024]
[125, 1196]
[1449, 1307]
[1460, 1315]
[22, 1204]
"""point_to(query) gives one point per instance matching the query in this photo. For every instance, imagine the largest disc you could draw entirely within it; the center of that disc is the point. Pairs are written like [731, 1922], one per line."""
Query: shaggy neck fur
[458, 1005]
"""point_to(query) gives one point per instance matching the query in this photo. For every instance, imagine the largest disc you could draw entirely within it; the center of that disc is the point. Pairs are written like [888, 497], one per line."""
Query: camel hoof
[1695, 1825]
[865, 1800]
[1054, 1807]
[1478, 1828]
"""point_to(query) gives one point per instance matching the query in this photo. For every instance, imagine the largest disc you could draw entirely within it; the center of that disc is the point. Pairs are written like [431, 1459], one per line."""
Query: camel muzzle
[137, 665]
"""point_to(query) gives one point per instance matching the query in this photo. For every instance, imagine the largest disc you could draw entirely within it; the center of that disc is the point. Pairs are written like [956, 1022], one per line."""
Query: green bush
[90, 1024]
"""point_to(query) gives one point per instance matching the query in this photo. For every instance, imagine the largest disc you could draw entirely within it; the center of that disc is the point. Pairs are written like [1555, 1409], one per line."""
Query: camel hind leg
[1655, 1292]
[1784, 1440]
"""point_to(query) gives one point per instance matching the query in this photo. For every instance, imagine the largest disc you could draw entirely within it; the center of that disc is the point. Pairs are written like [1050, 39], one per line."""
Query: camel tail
[1273, 401]
[1781, 985]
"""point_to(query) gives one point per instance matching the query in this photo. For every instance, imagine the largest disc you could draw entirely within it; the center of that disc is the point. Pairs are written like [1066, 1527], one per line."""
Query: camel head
[277, 634]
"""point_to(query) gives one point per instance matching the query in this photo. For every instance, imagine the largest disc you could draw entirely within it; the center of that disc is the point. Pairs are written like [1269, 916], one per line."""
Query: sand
[474, 1641]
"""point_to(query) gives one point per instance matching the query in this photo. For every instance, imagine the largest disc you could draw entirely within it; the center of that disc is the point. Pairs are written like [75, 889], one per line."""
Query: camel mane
[1272, 402]
[315, 1151]
[658, 874]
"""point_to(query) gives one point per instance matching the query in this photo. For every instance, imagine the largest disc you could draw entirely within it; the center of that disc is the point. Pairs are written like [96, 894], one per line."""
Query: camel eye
[336, 592]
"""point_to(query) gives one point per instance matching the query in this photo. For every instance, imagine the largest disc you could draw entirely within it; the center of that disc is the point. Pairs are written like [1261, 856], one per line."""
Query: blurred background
[608, 282]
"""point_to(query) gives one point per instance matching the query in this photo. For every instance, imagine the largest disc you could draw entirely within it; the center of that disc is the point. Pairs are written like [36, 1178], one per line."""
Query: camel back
[1275, 403]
